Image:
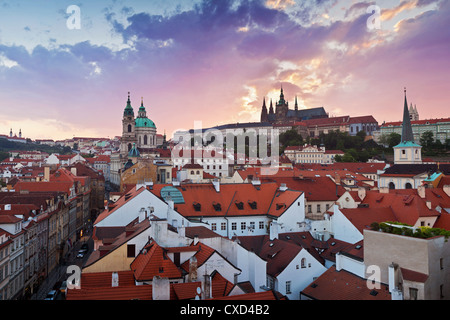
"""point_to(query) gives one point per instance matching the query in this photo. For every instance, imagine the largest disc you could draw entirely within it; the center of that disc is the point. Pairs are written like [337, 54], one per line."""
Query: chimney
[192, 276]
[446, 189]
[361, 193]
[73, 170]
[114, 279]
[273, 230]
[393, 276]
[283, 187]
[160, 288]
[337, 178]
[384, 190]
[208, 287]
[428, 204]
[46, 173]
[421, 191]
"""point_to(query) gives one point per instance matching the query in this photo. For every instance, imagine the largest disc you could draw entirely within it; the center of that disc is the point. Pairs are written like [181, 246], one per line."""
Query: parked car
[81, 254]
[51, 295]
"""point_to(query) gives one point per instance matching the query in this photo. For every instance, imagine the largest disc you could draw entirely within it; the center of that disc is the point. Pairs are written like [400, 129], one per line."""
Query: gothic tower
[407, 151]
[264, 115]
[282, 107]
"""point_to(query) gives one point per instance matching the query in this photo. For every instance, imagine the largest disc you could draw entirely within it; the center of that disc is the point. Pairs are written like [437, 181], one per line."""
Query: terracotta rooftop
[153, 261]
[201, 199]
[343, 285]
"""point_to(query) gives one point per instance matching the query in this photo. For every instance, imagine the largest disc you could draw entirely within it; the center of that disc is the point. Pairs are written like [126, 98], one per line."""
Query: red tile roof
[417, 122]
[104, 279]
[153, 261]
[278, 254]
[406, 208]
[269, 200]
[263, 295]
[343, 285]
[415, 276]
[362, 218]
[314, 188]
[60, 186]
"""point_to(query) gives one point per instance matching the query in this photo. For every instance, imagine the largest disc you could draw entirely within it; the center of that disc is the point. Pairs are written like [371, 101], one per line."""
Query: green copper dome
[144, 123]
[134, 152]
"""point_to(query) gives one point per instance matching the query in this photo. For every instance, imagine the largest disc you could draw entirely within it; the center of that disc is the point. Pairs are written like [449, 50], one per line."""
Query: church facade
[137, 131]
[282, 114]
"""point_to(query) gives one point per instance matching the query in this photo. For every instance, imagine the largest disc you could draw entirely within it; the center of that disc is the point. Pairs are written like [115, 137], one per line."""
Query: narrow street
[59, 274]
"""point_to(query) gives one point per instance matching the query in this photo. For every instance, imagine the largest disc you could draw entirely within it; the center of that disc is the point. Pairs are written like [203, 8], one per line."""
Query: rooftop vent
[239, 205]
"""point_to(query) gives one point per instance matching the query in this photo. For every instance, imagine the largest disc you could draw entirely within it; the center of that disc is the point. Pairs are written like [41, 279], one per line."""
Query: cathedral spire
[296, 104]
[271, 107]
[264, 111]
[407, 133]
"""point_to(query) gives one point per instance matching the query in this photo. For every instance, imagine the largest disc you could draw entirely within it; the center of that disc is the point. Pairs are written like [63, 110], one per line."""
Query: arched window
[303, 263]
[408, 185]
[145, 139]
[129, 128]
[391, 185]
[192, 171]
[198, 172]
[139, 140]
[129, 147]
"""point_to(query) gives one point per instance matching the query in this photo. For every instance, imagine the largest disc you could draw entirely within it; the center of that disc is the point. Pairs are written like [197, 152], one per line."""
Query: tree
[427, 139]
[394, 139]
[291, 138]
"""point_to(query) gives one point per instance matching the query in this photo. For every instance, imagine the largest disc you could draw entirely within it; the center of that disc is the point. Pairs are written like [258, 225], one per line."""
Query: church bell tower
[128, 129]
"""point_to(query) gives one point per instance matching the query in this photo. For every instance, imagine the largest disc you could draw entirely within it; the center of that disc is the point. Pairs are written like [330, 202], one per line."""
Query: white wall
[343, 229]
[299, 277]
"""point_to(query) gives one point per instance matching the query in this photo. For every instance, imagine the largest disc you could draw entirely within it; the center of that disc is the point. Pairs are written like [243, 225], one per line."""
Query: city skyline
[215, 61]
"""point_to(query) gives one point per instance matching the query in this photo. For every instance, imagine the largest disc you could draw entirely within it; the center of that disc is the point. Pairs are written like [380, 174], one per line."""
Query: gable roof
[277, 253]
[343, 285]
[202, 199]
[153, 261]
[125, 198]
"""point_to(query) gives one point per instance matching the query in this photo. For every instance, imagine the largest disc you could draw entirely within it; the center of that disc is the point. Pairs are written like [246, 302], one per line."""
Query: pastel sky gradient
[215, 61]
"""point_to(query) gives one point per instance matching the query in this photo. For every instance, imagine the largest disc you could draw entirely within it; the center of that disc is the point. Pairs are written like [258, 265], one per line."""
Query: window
[309, 208]
[223, 226]
[318, 208]
[243, 225]
[413, 293]
[441, 263]
[213, 226]
[261, 225]
[303, 263]
[131, 248]
[288, 287]
[233, 226]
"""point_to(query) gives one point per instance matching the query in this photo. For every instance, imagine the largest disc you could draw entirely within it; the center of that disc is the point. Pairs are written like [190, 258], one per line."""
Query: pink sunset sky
[215, 61]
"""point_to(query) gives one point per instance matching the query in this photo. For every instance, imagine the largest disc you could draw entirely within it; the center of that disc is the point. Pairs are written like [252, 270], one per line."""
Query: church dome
[144, 123]
[134, 152]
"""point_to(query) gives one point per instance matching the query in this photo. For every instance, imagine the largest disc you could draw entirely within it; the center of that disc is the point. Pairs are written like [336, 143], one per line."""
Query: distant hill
[7, 146]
